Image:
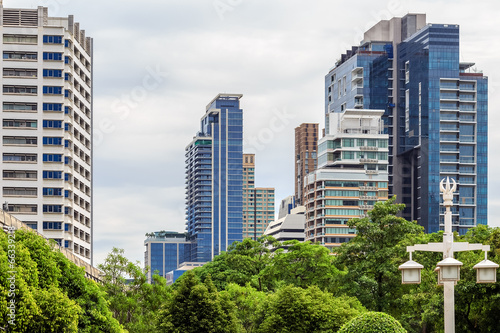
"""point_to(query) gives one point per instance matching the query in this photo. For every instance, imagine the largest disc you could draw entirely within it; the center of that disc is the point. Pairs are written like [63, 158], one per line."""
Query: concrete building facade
[47, 125]
[351, 176]
[258, 202]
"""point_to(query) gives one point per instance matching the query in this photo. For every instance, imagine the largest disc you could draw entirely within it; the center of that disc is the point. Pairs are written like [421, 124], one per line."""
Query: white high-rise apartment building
[47, 125]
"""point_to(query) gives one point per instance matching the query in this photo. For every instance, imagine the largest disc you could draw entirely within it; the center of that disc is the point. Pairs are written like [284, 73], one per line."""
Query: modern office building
[258, 202]
[435, 114]
[306, 145]
[351, 176]
[214, 180]
[47, 125]
[165, 251]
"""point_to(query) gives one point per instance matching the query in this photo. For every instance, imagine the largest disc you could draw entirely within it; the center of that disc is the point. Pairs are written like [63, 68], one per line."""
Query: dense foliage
[51, 293]
[300, 287]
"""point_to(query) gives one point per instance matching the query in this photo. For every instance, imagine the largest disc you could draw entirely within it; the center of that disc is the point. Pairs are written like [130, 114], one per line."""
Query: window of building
[52, 124]
[52, 174]
[14, 55]
[52, 208]
[347, 231]
[52, 157]
[19, 123]
[29, 158]
[55, 73]
[52, 56]
[20, 39]
[348, 155]
[347, 142]
[49, 39]
[50, 191]
[20, 191]
[24, 90]
[19, 72]
[382, 156]
[52, 90]
[20, 174]
[382, 143]
[56, 141]
[32, 225]
[52, 225]
[23, 208]
[20, 140]
[19, 107]
[52, 107]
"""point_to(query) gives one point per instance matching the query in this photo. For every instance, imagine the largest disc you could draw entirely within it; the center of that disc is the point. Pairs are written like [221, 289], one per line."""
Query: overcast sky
[158, 63]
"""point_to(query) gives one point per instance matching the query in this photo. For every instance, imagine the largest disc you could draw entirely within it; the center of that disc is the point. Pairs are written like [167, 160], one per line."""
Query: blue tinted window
[49, 39]
[55, 56]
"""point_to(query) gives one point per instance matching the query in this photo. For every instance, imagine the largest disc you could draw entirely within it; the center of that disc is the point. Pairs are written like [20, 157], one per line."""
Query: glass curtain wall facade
[441, 109]
[435, 115]
[214, 180]
[165, 251]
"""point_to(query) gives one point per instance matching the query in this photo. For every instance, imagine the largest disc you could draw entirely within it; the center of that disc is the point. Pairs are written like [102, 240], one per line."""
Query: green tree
[373, 322]
[294, 309]
[197, 307]
[303, 264]
[373, 256]
[133, 302]
[52, 293]
[247, 302]
[243, 263]
[477, 306]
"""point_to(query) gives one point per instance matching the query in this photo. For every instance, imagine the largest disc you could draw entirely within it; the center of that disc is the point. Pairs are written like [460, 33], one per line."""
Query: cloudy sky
[158, 63]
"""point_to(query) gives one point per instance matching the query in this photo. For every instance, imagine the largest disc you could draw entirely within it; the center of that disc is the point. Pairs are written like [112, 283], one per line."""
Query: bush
[373, 322]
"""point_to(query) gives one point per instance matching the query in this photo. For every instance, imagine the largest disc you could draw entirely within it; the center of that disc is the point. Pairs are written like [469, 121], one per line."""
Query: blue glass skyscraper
[214, 180]
[435, 114]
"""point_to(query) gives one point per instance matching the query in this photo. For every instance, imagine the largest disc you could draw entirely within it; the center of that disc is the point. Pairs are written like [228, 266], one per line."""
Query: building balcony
[368, 188]
[467, 160]
[357, 77]
[368, 160]
[366, 197]
[368, 148]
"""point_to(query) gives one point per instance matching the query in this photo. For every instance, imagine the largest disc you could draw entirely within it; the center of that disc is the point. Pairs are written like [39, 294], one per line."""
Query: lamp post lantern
[449, 268]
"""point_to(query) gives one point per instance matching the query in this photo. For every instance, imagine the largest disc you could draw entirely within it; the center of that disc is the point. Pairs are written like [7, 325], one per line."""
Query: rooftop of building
[165, 236]
[224, 96]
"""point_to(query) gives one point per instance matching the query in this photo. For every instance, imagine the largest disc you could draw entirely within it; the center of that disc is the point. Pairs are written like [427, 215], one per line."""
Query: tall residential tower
[47, 125]
[435, 112]
[214, 180]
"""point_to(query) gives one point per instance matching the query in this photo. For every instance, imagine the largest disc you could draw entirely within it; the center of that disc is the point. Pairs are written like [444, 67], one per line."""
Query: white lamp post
[449, 268]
